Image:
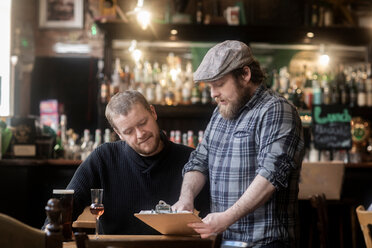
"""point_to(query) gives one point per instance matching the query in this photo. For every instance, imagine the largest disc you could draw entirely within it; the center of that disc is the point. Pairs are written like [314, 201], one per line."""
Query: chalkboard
[331, 127]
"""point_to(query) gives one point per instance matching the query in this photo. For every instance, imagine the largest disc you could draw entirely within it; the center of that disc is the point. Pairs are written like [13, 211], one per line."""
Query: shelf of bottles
[169, 84]
[347, 85]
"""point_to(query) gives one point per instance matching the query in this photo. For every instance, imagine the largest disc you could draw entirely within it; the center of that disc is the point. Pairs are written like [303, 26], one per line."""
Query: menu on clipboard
[165, 221]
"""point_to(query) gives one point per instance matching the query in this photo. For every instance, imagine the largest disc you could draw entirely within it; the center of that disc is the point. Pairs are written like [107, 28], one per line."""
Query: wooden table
[169, 239]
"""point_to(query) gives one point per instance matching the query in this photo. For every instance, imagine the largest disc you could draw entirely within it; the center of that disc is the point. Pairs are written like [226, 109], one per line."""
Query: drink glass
[97, 208]
[65, 197]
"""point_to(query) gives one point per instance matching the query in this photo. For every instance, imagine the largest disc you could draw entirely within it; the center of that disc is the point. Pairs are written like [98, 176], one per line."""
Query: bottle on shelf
[361, 88]
[107, 136]
[317, 92]
[177, 137]
[190, 139]
[200, 136]
[205, 94]
[195, 94]
[86, 146]
[369, 86]
[353, 93]
[341, 82]
[104, 86]
[325, 89]
[184, 139]
[97, 139]
[199, 12]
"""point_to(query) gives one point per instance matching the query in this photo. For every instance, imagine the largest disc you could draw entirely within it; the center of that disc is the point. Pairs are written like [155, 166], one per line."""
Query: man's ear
[117, 132]
[247, 74]
[153, 112]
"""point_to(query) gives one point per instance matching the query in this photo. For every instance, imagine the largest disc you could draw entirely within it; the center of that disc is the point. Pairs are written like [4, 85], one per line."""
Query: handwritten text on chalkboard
[331, 127]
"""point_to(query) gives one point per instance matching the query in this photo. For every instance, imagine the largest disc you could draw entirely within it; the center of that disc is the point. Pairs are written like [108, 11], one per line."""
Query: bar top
[69, 162]
[39, 162]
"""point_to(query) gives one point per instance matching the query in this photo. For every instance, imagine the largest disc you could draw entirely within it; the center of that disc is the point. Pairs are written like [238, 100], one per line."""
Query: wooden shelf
[351, 36]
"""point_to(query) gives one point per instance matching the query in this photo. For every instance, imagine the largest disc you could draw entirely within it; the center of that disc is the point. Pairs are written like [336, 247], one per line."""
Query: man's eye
[128, 132]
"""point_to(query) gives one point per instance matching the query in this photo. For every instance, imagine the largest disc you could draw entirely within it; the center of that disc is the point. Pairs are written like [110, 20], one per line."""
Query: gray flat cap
[222, 59]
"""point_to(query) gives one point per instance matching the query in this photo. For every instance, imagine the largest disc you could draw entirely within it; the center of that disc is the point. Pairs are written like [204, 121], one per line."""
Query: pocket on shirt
[241, 134]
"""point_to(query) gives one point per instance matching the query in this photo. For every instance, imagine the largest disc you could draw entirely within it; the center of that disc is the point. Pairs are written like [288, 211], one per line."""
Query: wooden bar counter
[27, 184]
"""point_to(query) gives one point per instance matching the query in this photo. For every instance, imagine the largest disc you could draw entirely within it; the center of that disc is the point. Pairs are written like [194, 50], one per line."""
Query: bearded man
[251, 153]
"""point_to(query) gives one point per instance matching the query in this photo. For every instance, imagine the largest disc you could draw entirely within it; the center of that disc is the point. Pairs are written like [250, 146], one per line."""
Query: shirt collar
[256, 97]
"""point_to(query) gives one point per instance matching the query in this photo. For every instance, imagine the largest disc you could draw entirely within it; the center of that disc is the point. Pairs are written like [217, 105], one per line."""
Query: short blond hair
[121, 103]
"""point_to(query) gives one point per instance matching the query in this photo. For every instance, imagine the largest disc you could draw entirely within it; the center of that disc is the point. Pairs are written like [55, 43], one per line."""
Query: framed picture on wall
[61, 13]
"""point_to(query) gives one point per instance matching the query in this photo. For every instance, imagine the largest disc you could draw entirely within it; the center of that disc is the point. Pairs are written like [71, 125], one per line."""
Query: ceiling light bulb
[137, 54]
[324, 60]
[143, 18]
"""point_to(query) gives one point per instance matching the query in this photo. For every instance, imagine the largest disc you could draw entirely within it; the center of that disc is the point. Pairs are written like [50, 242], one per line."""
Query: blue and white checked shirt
[265, 139]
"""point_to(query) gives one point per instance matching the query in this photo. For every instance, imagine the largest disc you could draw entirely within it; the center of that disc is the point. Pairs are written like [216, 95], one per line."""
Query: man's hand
[183, 204]
[213, 224]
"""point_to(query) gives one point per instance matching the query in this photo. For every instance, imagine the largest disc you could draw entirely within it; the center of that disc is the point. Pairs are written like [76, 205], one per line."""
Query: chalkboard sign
[331, 127]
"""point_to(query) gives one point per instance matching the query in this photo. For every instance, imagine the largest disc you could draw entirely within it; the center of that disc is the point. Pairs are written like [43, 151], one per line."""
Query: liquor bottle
[63, 125]
[184, 139]
[326, 94]
[190, 138]
[283, 82]
[205, 95]
[361, 87]
[187, 88]
[86, 146]
[172, 135]
[369, 86]
[115, 78]
[200, 136]
[97, 139]
[195, 94]
[335, 96]
[341, 82]
[107, 136]
[58, 147]
[177, 137]
[317, 92]
[102, 83]
[125, 82]
[275, 85]
[199, 12]
[353, 90]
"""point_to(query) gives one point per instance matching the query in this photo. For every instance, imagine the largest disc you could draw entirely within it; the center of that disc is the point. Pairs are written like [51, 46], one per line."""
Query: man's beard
[232, 109]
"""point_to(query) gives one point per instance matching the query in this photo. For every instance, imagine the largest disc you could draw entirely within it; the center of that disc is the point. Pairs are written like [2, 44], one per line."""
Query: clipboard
[167, 222]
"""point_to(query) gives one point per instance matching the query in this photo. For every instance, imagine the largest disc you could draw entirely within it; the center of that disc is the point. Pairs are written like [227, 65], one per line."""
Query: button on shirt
[265, 139]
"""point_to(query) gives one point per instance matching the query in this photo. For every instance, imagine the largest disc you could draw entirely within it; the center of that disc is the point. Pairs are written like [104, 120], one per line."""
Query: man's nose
[139, 132]
[214, 92]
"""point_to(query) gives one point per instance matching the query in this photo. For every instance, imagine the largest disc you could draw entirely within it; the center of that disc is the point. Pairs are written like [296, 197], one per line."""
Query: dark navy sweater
[132, 183]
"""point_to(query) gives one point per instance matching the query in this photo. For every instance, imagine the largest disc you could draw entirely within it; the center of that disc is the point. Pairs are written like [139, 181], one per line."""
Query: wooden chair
[16, 234]
[365, 221]
[85, 221]
[146, 241]
[319, 203]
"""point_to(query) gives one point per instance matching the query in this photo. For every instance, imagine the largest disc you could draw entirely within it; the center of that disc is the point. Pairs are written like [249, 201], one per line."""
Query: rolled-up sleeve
[281, 144]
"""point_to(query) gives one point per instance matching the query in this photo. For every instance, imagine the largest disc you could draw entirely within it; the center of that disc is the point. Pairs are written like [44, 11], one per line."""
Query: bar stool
[365, 221]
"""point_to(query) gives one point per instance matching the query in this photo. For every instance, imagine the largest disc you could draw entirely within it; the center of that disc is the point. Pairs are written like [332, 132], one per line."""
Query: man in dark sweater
[135, 172]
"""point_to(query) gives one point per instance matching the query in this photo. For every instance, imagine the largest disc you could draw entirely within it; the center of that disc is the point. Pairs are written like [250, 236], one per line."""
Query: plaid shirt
[266, 139]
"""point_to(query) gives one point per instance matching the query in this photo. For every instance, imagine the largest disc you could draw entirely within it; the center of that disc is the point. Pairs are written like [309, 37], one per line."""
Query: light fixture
[142, 15]
[143, 18]
[323, 57]
[134, 51]
[310, 35]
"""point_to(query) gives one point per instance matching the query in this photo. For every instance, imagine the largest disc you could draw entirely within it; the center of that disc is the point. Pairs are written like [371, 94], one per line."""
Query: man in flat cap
[251, 152]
